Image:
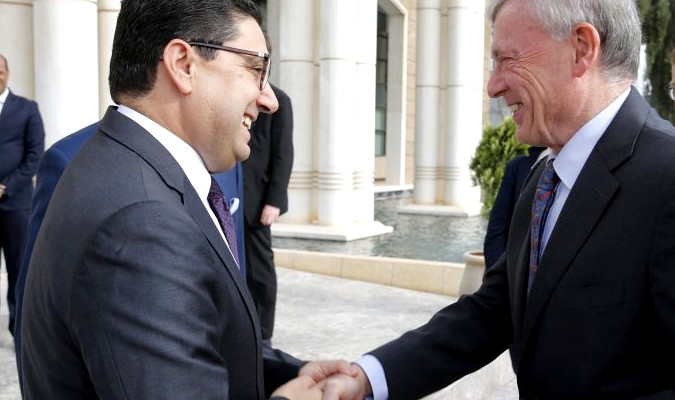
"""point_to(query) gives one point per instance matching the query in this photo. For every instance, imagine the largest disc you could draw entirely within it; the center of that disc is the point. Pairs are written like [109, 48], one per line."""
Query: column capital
[109, 5]
[433, 4]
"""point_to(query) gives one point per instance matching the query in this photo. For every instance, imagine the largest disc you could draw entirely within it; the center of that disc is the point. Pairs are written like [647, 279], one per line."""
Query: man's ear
[179, 62]
[586, 41]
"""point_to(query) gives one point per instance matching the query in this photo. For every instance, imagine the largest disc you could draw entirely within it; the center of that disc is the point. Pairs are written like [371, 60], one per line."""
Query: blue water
[419, 237]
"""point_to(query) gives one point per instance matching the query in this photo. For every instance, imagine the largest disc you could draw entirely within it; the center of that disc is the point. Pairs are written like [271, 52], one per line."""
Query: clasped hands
[327, 380]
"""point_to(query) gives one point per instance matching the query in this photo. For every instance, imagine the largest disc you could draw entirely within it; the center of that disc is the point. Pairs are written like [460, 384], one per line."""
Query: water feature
[421, 237]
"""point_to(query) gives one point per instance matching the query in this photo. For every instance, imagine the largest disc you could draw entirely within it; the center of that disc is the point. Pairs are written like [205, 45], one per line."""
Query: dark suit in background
[515, 172]
[22, 138]
[266, 175]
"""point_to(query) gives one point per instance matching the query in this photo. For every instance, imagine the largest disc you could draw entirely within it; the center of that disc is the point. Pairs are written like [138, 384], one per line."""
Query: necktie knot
[549, 179]
[221, 209]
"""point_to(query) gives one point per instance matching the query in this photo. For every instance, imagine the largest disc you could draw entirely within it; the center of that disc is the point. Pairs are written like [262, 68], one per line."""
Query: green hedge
[496, 148]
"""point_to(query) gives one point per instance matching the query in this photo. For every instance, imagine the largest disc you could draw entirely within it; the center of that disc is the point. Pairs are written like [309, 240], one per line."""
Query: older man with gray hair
[583, 297]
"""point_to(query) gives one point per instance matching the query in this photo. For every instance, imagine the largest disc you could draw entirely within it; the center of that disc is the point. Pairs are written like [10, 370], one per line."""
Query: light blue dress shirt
[568, 164]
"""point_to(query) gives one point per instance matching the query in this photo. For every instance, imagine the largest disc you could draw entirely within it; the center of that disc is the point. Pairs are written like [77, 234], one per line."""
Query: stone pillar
[16, 44]
[295, 55]
[465, 36]
[364, 124]
[332, 85]
[427, 101]
[338, 97]
[107, 19]
[66, 67]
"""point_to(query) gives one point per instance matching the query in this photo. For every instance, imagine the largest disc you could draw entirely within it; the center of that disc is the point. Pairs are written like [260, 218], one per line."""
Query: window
[381, 85]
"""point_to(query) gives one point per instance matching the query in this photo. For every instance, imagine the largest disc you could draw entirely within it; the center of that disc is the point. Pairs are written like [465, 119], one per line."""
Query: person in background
[515, 173]
[134, 289]
[22, 140]
[266, 175]
[584, 297]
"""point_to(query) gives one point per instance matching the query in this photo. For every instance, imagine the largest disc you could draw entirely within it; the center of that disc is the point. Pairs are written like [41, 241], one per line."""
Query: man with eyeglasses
[133, 289]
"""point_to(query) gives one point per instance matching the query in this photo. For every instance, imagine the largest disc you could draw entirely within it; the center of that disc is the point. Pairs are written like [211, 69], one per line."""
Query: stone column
[465, 36]
[427, 101]
[16, 44]
[338, 97]
[295, 55]
[66, 67]
[107, 19]
[364, 121]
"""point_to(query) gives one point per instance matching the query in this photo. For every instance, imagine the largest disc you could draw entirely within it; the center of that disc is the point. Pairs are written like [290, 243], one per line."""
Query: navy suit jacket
[599, 320]
[131, 291]
[50, 169]
[22, 140]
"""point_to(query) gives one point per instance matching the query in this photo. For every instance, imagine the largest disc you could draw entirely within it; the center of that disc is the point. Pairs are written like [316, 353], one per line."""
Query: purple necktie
[543, 198]
[220, 207]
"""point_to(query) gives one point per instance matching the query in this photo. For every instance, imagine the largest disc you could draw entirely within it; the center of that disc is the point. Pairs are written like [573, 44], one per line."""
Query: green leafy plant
[496, 148]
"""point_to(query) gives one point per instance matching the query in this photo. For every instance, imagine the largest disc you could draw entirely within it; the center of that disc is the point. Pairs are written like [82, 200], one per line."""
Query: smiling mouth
[515, 107]
[246, 121]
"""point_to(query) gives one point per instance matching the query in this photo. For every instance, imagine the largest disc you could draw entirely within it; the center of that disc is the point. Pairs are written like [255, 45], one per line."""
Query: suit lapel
[132, 136]
[7, 109]
[590, 196]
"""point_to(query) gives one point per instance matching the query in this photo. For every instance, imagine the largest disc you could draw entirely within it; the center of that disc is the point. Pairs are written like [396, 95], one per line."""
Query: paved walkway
[322, 317]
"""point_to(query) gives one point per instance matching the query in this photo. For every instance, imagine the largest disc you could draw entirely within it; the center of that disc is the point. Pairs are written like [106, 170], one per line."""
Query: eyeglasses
[265, 71]
[670, 89]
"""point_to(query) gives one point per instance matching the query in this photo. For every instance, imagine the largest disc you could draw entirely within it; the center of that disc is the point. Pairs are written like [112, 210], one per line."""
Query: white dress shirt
[188, 159]
[3, 98]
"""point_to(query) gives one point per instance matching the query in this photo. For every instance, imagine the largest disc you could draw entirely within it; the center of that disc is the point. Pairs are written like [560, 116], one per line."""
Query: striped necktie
[221, 208]
[543, 198]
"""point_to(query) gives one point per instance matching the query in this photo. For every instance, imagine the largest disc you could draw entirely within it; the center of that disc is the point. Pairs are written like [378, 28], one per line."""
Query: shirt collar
[574, 154]
[3, 96]
[188, 159]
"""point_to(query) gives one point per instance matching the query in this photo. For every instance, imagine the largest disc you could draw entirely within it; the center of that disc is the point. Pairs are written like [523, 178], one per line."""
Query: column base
[440, 210]
[343, 233]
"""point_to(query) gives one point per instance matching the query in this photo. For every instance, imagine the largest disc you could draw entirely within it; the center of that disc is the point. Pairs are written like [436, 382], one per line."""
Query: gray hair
[617, 22]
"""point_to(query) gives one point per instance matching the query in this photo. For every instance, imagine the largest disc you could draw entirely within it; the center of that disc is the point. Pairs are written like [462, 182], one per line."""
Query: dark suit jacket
[131, 291]
[600, 319]
[22, 140]
[268, 169]
[50, 168]
[515, 172]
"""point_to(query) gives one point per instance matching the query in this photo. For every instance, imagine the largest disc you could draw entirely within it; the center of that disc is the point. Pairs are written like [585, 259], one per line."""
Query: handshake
[327, 380]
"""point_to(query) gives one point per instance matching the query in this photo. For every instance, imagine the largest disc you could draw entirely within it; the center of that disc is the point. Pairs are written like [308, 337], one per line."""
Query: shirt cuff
[375, 373]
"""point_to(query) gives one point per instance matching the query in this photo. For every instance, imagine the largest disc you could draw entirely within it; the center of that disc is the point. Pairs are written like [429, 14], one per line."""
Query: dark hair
[144, 27]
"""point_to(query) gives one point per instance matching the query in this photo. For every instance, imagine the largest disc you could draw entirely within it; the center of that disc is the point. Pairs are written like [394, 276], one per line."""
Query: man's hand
[339, 380]
[3, 188]
[344, 387]
[269, 215]
[300, 388]
[319, 370]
